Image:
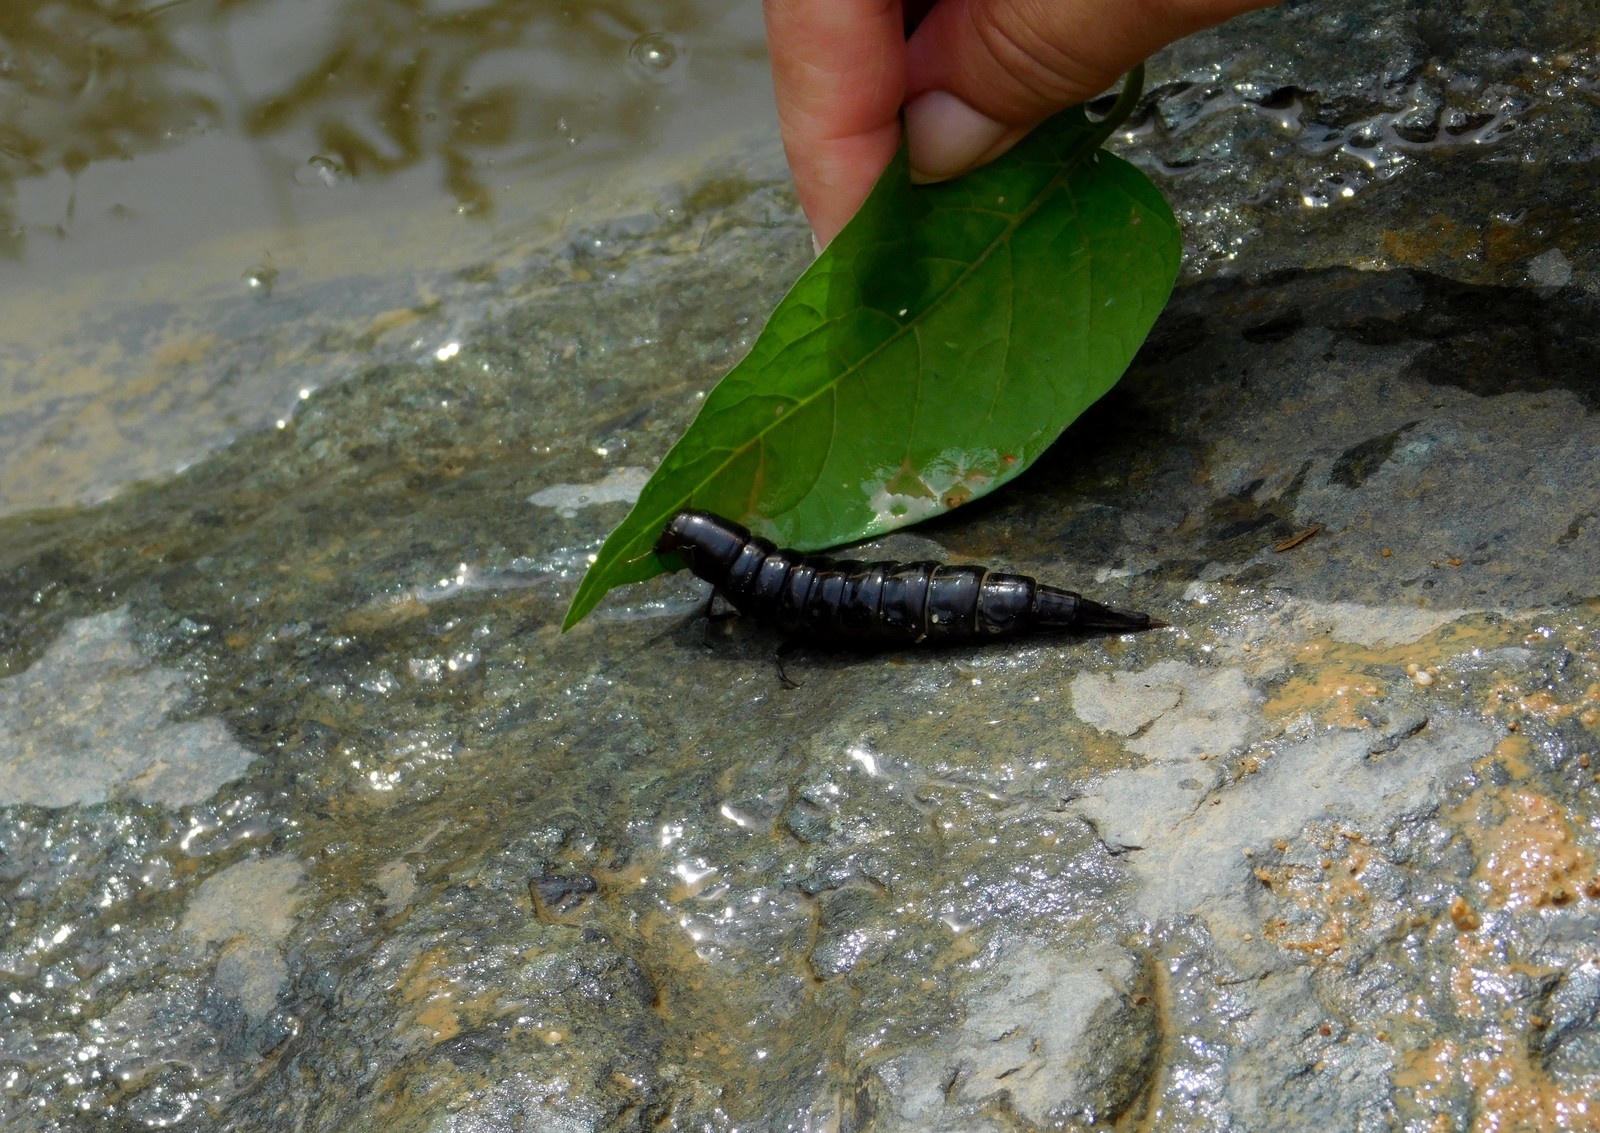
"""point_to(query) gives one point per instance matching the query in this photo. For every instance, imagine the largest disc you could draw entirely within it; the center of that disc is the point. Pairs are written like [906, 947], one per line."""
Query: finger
[838, 67]
[981, 73]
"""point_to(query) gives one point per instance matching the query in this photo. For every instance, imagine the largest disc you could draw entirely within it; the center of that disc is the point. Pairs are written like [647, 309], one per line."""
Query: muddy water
[178, 180]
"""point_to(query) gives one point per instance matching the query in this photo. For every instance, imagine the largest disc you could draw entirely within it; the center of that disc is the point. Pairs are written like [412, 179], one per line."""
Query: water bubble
[322, 171]
[670, 207]
[260, 278]
[652, 56]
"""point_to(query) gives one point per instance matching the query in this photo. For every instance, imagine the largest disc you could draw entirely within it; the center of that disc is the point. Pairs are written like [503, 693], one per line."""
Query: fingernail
[816, 246]
[947, 137]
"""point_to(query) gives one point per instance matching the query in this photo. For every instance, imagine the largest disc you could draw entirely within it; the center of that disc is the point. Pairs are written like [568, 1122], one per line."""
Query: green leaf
[940, 344]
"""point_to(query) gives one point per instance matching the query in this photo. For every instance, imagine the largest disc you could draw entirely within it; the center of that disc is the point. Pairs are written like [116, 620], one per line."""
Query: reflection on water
[284, 96]
[209, 208]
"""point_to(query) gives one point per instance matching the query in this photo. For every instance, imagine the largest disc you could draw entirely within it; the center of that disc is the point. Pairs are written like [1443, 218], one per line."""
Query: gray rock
[1046, 1036]
[1318, 856]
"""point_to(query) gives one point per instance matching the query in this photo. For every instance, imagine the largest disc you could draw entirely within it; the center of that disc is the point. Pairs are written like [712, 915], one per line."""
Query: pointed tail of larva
[1062, 609]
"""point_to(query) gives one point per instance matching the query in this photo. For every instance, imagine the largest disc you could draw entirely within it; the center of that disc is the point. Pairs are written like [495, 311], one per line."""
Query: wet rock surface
[1321, 855]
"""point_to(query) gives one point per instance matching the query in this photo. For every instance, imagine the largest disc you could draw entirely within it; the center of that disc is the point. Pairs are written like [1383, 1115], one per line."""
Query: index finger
[838, 67]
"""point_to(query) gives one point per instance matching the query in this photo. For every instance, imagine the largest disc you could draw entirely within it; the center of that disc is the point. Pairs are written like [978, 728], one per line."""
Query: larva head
[706, 543]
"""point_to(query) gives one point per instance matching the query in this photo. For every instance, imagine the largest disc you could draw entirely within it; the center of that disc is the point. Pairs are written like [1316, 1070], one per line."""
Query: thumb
[981, 73]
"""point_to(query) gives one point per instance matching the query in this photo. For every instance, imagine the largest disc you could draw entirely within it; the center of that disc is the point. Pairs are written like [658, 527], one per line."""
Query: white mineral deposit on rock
[89, 720]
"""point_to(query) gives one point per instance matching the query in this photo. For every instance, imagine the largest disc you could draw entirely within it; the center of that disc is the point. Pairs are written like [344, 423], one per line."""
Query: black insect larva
[847, 602]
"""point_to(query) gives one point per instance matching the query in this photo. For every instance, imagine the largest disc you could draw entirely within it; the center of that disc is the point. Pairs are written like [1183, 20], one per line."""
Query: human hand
[974, 77]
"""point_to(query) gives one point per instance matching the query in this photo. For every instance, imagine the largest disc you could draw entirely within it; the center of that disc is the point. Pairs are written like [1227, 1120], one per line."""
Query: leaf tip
[590, 590]
[576, 612]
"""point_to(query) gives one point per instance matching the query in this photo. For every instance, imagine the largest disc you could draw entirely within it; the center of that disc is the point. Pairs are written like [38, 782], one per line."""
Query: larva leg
[788, 646]
[714, 617]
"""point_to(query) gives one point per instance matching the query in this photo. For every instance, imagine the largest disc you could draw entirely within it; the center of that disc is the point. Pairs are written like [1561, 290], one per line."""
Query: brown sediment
[1510, 1092]
[1529, 855]
[1336, 902]
[1294, 541]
